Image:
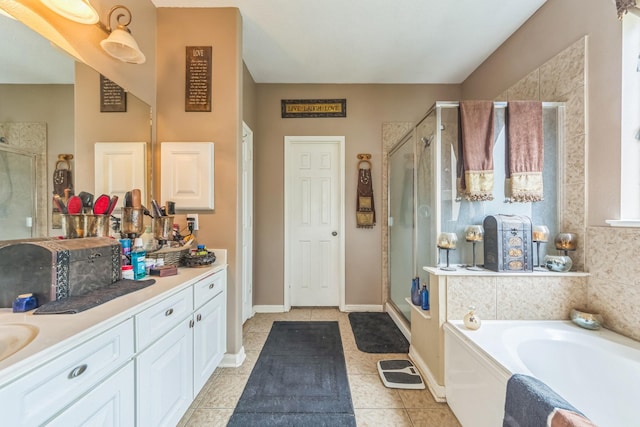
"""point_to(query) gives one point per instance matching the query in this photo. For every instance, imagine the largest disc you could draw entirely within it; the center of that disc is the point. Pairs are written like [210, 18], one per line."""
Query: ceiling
[328, 41]
[370, 41]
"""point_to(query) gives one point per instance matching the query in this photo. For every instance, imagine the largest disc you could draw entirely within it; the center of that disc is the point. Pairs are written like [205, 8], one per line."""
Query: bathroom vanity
[140, 359]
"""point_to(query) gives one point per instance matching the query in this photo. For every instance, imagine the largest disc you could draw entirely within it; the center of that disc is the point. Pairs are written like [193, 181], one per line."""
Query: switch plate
[194, 219]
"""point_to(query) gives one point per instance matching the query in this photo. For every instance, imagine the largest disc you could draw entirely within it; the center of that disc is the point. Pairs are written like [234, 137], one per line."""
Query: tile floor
[374, 404]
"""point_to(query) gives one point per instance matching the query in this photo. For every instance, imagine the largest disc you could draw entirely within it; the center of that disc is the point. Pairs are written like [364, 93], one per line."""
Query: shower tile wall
[32, 137]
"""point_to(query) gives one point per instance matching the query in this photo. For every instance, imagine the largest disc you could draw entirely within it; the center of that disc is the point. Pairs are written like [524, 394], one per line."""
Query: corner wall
[220, 28]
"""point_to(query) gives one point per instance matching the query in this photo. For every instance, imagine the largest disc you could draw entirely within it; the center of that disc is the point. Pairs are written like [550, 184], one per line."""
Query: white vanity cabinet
[175, 367]
[64, 381]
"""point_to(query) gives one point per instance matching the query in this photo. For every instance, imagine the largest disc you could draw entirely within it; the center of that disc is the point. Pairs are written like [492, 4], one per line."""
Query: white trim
[623, 222]
[233, 360]
[436, 389]
[340, 140]
[362, 307]
[398, 320]
[269, 309]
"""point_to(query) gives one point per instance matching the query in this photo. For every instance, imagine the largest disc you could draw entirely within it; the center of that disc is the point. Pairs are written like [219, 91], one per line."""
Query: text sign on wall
[197, 95]
[113, 98]
[292, 108]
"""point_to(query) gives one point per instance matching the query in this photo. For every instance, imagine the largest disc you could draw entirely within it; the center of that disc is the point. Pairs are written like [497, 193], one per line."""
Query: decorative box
[507, 243]
[55, 269]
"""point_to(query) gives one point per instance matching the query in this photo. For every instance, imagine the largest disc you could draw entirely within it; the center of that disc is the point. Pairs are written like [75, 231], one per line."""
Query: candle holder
[539, 234]
[566, 242]
[447, 241]
[474, 234]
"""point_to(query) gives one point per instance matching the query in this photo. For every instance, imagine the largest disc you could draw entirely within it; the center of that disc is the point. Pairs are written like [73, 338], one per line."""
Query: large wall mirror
[49, 107]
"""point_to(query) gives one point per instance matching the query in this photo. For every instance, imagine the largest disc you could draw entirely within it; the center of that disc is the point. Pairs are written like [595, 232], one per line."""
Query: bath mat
[300, 379]
[377, 333]
[77, 303]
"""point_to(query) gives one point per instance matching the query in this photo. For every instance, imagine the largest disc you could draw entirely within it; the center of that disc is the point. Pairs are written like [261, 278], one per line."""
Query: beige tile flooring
[374, 404]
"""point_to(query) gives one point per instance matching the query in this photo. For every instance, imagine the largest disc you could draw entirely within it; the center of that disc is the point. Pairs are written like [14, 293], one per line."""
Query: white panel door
[120, 167]
[314, 221]
[187, 174]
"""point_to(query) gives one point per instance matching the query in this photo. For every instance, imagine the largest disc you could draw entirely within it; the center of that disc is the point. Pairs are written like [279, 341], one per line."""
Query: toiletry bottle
[138, 259]
[416, 298]
[424, 293]
[126, 251]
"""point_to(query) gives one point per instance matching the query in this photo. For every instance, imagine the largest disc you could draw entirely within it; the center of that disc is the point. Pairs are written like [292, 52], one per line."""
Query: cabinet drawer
[155, 321]
[45, 391]
[209, 287]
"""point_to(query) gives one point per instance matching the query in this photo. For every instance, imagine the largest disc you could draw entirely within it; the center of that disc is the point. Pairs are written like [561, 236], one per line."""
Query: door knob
[334, 233]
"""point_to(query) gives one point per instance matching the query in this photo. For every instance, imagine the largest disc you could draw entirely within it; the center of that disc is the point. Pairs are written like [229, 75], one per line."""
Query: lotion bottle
[471, 320]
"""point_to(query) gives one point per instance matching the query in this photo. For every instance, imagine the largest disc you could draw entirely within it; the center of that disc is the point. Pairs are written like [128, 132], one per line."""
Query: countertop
[463, 271]
[59, 333]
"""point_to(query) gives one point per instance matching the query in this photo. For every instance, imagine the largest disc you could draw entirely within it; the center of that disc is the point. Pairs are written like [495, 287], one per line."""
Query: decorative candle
[474, 233]
[540, 233]
[447, 240]
[566, 242]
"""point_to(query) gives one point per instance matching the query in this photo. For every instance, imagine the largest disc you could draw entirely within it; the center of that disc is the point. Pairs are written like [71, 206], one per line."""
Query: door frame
[288, 142]
[247, 216]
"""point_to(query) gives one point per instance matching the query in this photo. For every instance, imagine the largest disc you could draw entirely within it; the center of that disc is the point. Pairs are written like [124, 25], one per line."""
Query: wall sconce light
[79, 11]
[120, 44]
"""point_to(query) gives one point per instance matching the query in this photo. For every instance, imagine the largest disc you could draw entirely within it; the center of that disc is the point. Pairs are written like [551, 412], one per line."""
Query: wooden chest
[54, 269]
[507, 243]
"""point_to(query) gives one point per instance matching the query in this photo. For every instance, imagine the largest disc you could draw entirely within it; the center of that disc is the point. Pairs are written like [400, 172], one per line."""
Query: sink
[14, 337]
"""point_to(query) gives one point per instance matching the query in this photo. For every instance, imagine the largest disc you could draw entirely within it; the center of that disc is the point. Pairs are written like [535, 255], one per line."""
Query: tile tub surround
[375, 405]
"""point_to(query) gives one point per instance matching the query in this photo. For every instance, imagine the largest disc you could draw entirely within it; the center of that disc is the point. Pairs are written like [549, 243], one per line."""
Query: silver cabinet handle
[191, 323]
[334, 233]
[211, 285]
[199, 317]
[77, 371]
[168, 312]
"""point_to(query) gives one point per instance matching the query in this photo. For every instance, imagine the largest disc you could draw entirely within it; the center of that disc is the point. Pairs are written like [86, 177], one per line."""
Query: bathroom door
[314, 221]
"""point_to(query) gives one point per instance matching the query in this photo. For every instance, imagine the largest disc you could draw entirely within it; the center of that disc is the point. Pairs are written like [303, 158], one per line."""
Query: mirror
[50, 106]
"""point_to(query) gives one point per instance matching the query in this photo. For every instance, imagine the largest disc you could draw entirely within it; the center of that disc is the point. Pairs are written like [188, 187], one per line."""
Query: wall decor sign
[296, 108]
[113, 98]
[197, 94]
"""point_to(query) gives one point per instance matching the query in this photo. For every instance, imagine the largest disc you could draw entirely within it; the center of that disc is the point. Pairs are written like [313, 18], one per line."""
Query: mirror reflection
[50, 108]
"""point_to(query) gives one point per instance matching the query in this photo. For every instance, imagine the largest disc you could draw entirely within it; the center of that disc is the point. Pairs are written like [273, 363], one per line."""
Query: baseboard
[436, 389]
[363, 307]
[398, 320]
[268, 309]
[233, 360]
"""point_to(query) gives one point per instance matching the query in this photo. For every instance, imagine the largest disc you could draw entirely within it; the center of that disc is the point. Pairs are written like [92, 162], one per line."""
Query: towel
[531, 403]
[475, 162]
[623, 6]
[525, 151]
[365, 213]
[77, 303]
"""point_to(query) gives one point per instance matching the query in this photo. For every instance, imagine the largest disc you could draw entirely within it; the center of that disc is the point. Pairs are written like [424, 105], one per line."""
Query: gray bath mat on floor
[377, 333]
[300, 379]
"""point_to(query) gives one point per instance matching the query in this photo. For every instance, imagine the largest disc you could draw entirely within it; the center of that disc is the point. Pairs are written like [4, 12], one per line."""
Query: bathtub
[598, 372]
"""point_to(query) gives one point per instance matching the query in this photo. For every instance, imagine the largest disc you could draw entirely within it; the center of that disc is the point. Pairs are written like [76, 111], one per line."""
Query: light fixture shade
[79, 11]
[121, 45]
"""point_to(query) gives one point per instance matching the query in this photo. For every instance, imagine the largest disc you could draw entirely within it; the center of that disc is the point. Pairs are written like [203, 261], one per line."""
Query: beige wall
[368, 106]
[130, 126]
[221, 29]
[554, 27]
[33, 103]
[612, 288]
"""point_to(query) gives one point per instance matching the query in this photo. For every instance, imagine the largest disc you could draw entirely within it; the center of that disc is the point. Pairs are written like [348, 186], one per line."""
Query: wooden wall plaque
[113, 98]
[197, 95]
[298, 108]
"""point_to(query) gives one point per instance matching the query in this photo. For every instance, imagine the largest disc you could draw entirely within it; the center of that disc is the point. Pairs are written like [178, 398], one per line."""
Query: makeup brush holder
[132, 222]
[162, 228]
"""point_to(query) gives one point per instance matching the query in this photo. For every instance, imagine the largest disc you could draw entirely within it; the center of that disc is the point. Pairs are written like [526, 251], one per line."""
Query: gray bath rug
[300, 379]
[377, 333]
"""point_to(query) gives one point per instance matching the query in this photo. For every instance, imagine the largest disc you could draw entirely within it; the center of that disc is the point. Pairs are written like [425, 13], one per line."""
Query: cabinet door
[187, 174]
[165, 378]
[119, 167]
[111, 403]
[210, 340]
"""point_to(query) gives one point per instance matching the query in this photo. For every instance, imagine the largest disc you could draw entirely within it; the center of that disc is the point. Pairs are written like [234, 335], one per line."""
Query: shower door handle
[334, 233]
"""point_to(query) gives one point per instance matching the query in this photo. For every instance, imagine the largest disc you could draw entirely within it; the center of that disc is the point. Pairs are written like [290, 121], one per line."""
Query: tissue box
[55, 269]
[507, 243]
